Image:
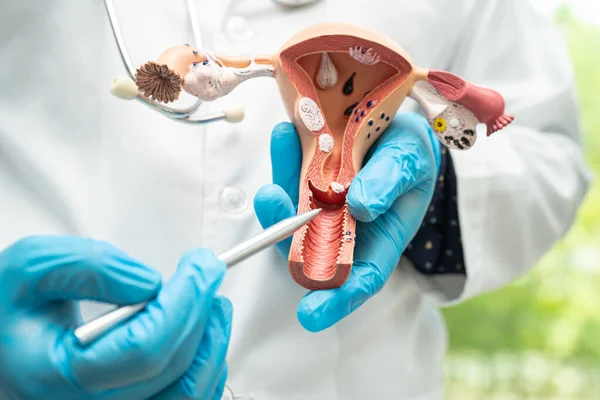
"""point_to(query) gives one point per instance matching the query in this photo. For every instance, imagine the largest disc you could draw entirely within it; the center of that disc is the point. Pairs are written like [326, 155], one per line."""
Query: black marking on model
[349, 85]
[457, 144]
[465, 141]
[349, 110]
[469, 132]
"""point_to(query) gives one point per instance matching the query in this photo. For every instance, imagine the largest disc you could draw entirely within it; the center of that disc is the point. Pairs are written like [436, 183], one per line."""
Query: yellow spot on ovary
[439, 124]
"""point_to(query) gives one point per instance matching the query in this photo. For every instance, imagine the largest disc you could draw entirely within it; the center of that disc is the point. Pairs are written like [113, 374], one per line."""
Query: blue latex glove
[175, 349]
[389, 197]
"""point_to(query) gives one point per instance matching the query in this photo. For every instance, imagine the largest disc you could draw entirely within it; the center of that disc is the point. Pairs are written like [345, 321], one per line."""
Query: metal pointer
[91, 331]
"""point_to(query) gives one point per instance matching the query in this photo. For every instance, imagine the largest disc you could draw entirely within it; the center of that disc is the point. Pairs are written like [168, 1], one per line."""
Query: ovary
[209, 80]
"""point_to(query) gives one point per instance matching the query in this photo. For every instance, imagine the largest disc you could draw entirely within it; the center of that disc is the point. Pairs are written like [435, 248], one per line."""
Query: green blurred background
[540, 337]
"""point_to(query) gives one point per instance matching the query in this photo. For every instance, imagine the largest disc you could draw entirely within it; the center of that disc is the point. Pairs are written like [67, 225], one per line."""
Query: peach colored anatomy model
[341, 86]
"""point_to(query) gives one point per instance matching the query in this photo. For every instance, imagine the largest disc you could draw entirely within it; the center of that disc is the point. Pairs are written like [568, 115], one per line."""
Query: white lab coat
[75, 160]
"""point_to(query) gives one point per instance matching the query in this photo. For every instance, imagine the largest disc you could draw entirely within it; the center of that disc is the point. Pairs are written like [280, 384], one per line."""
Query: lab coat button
[239, 30]
[232, 200]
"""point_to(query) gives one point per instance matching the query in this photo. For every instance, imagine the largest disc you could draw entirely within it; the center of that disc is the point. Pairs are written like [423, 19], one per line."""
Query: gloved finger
[170, 374]
[286, 159]
[205, 375]
[141, 348]
[272, 205]
[402, 158]
[48, 268]
[321, 309]
[222, 382]
[166, 384]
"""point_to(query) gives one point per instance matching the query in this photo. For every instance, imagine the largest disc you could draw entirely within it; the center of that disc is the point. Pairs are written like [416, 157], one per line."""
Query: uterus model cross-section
[341, 86]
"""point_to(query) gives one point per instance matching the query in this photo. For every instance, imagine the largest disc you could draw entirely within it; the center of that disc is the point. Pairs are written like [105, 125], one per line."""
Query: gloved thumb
[272, 205]
[40, 269]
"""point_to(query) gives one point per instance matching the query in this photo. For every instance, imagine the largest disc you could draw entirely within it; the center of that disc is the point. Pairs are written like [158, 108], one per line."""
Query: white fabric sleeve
[520, 189]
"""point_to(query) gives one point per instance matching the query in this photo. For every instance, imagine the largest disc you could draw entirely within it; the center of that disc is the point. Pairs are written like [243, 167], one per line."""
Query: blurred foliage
[554, 311]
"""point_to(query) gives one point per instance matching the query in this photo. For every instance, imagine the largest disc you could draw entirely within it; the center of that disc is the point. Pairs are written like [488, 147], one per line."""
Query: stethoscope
[184, 115]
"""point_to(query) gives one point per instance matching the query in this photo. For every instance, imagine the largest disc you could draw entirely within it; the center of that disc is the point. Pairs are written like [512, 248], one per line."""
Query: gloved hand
[389, 197]
[175, 349]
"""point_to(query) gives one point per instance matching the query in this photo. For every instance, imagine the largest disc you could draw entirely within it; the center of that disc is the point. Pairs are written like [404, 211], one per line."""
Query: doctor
[77, 163]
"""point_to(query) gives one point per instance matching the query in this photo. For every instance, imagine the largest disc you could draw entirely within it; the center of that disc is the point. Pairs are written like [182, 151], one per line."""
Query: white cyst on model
[337, 187]
[311, 115]
[325, 142]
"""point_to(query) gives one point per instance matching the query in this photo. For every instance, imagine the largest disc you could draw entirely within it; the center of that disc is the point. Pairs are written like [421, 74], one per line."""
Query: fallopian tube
[341, 85]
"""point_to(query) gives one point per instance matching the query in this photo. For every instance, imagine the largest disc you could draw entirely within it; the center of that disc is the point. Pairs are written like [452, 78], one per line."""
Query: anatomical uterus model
[341, 86]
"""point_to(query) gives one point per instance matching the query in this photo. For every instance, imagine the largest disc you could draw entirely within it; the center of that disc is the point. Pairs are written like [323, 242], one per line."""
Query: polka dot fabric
[437, 247]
